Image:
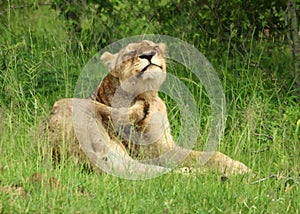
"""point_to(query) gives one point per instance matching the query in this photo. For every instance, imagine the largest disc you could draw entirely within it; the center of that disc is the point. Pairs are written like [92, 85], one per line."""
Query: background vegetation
[43, 48]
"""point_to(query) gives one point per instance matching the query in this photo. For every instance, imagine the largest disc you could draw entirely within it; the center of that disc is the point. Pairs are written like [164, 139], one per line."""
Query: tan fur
[127, 101]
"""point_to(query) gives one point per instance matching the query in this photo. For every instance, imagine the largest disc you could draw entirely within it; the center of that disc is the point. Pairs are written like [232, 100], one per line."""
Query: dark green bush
[227, 32]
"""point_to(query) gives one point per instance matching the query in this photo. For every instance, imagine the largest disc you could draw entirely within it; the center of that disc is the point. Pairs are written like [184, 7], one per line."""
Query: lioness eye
[131, 53]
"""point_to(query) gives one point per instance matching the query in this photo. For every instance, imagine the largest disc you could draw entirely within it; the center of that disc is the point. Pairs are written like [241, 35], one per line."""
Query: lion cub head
[139, 66]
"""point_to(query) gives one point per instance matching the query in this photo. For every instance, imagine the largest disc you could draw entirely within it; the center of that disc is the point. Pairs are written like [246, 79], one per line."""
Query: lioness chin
[131, 117]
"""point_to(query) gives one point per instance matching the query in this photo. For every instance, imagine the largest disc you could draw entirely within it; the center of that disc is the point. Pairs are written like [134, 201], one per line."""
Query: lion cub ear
[109, 60]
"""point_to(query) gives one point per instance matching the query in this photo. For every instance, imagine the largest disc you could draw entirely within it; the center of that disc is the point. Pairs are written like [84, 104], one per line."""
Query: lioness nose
[147, 55]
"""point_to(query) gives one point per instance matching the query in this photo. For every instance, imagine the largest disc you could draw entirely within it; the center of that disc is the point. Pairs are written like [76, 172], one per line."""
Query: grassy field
[38, 66]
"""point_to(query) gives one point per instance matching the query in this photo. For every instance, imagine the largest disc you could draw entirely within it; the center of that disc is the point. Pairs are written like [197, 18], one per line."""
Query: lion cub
[131, 115]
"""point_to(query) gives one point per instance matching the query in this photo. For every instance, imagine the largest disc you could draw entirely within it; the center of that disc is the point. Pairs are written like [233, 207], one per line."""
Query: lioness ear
[162, 47]
[109, 60]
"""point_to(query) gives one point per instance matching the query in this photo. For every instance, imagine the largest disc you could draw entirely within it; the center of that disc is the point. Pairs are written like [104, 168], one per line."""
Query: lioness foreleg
[212, 161]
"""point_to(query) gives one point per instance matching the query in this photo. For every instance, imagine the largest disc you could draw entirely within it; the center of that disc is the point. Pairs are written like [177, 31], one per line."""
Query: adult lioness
[131, 118]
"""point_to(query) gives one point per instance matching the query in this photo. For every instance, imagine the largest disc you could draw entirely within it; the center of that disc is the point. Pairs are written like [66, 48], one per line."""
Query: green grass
[39, 66]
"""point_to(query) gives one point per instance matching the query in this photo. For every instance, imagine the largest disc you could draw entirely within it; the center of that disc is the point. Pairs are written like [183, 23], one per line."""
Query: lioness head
[138, 65]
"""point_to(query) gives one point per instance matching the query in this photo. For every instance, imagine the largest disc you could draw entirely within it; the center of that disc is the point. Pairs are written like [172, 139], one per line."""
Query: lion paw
[236, 167]
[228, 166]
